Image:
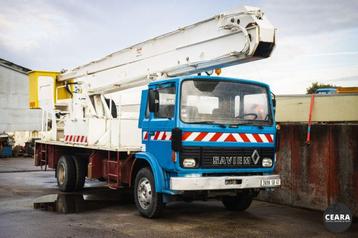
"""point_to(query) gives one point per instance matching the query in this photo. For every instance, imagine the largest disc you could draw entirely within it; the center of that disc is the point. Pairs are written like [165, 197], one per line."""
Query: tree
[314, 86]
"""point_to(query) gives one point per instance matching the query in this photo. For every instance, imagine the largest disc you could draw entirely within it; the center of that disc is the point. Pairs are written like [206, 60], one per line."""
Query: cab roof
[182, 78]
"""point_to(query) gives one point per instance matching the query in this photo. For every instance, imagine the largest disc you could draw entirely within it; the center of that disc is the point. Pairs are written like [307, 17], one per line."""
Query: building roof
[14, 66]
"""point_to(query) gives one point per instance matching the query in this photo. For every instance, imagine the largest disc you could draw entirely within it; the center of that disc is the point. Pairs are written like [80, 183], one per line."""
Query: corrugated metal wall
[15, 114]
[319, 174]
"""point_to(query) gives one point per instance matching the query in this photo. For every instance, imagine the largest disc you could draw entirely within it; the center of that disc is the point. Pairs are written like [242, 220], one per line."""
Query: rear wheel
[66, 174]
[237, 203]
[149, 203]
[81, 172]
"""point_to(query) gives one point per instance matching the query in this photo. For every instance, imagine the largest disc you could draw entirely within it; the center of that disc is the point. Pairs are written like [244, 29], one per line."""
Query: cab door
[160, 125]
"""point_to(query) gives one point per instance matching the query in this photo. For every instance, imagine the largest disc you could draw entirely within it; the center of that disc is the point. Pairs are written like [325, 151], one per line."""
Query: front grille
[214, 157]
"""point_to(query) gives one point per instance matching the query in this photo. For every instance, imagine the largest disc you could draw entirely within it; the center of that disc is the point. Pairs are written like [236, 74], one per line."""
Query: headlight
[189, 163]
[266, 162]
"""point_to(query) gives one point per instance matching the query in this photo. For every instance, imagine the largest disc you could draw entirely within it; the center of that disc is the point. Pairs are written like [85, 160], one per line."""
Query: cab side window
[166, 103]
[147, 109]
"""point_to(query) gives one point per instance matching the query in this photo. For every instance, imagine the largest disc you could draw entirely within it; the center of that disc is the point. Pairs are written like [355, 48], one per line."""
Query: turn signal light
[218, 71]
[174, 156]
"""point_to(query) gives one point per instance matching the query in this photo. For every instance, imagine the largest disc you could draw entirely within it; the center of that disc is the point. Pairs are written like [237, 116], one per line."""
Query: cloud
[316, 40]
[297, 61]
[311, 16]
[27, 26]
[58, 34]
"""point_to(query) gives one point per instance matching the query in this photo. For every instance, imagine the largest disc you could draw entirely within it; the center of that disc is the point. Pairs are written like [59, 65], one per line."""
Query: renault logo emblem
[255, 157]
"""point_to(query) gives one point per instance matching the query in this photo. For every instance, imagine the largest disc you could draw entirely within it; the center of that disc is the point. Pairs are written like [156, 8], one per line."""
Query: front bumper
[224, 182]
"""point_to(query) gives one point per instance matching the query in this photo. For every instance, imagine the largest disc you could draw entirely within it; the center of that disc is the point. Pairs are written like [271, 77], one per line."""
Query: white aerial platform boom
[230, 38]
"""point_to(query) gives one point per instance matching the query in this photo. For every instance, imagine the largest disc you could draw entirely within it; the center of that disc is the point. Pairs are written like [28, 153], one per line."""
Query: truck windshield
[224, 102]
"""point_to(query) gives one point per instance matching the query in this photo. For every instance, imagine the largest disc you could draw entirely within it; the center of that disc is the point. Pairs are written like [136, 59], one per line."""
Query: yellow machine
[39, 80]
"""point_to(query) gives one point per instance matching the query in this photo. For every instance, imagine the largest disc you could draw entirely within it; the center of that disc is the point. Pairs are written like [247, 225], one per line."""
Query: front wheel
[237, 203]
[149, 203]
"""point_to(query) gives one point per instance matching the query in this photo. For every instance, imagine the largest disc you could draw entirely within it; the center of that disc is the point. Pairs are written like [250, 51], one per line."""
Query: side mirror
[153, 99]
[273, 100]
[176, 139]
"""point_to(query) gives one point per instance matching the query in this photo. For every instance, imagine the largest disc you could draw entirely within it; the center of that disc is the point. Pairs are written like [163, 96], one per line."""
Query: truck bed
[105, 148]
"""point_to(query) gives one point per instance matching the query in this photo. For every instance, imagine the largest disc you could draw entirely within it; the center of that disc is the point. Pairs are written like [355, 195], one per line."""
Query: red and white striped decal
[227, 137]
[158, 135]
[213, 137]
[145, 135]
[76, 139]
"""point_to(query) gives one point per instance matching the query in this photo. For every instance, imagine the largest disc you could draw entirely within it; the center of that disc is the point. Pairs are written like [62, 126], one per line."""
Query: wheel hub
[61, 174]
[144, 193]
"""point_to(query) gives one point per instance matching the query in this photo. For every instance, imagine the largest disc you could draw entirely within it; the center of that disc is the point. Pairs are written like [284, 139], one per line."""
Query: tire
[241, 202]
[66, 174]
[81, 172]
[144, 189]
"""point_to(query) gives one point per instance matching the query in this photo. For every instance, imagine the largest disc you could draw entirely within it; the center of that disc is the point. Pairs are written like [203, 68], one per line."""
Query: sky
[316, 40]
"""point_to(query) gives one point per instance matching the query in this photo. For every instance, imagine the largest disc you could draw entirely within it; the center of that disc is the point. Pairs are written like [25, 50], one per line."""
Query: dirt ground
[31, 206]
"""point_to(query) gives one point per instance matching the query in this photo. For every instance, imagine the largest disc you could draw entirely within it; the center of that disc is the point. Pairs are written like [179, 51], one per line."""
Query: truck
[153, 117]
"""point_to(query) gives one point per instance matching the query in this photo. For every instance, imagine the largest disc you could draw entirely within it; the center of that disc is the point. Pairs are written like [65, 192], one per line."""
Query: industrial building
[14, 93]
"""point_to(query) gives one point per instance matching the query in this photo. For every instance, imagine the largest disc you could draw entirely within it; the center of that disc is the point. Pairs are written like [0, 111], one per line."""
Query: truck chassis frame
[117, 167]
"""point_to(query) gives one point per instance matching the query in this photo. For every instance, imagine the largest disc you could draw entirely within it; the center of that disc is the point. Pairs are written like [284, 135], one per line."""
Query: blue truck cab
[326, 91]
[206, 136]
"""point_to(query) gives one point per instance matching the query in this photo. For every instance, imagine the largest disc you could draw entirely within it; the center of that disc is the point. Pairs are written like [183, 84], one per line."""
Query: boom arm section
[230, 38]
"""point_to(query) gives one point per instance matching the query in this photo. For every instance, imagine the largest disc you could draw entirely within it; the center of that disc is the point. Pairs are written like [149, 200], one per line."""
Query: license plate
[270, 182]
[233, 181]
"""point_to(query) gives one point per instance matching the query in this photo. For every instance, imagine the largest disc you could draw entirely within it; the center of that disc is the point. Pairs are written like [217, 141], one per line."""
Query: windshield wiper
[236, 125]
[245, 123]
[259, 124]
[208, 122]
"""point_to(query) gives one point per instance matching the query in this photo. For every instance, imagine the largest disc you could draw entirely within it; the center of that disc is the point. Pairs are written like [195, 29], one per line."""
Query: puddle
[81, 202]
